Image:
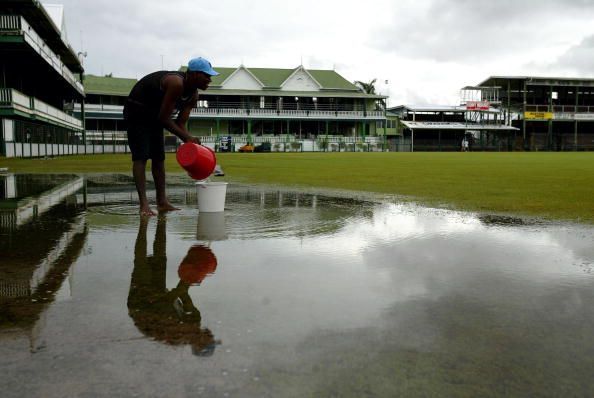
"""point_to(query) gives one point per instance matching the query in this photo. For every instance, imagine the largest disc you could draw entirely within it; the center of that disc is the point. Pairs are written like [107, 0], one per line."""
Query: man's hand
[195, 140]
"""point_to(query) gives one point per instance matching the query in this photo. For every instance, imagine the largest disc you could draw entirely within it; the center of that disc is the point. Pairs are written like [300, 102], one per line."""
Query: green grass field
[548, 185]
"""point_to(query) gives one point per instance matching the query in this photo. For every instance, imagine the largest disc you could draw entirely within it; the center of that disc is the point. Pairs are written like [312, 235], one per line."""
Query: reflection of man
[166, 315]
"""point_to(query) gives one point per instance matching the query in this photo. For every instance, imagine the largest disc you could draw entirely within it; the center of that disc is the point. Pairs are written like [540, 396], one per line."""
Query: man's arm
[184, 114]
[173, 86]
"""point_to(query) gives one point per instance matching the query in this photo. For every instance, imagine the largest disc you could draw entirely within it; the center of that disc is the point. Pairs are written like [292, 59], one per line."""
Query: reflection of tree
[166, 315]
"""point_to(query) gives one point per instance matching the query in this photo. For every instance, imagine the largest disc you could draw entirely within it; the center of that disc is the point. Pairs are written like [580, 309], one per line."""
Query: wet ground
[289, 294]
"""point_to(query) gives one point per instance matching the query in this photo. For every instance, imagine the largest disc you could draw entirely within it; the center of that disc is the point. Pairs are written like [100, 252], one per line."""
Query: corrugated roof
[282, 93]
[430, 108]
[333, 84]
[455, 126]
[271, 77]
[500, 80]
[330, 80]
[108, 85]
[274, 77]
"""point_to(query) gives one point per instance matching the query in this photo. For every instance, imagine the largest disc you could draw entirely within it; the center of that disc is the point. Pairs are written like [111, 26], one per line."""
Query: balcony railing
[253, 113]
[15, 24]
[291, 114]
[560, 108]
[276, 103]
[100, 107]
[11, 98]
[565, 112]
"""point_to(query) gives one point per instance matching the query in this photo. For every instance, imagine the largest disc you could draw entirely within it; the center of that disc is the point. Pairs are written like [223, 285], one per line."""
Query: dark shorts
[146, 141]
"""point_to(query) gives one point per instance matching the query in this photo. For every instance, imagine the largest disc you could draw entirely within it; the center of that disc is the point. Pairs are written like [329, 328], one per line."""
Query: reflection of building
[278, 213]
[23, 197]
[292, 109]
[36, 261]
[553, 113]
[41, 77]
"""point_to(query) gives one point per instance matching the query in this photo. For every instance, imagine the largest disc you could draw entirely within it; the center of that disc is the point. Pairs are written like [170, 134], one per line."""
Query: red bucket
[199, 161]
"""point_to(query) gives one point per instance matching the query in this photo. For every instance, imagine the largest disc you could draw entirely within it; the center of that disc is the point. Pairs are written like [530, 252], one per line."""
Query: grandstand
[552, 113]
[41, 81]
[443, 127]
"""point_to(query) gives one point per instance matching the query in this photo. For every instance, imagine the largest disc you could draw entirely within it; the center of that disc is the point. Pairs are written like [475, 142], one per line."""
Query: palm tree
[368, 88]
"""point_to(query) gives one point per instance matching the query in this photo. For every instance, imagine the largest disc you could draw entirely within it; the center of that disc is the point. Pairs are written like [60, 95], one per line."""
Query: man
[149, 110]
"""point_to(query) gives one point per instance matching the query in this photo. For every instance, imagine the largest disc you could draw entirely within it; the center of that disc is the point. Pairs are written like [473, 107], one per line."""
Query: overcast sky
[426, 49]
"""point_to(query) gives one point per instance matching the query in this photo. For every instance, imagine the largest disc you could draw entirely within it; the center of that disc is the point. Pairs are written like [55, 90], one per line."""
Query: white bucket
[211, 196]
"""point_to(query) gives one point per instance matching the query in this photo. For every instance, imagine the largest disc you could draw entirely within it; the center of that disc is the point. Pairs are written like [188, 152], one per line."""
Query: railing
[18, 24]
[270, 113]
[107, 141]
[105, 135]
[10, 97]
[14, 99]
[573, 109]
[565, 112]
[560, 108]
[256, 113]
[10, 22]
[100, 107]
[276, 105]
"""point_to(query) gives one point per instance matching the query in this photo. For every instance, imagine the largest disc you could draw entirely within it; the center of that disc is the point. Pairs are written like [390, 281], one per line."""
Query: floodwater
[286, 294]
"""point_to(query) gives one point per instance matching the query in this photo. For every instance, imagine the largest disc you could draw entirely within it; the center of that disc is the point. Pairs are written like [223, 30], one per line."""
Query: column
[249, 131]
[575, 122]
[526, 147]
[218, 138]
[327, 128]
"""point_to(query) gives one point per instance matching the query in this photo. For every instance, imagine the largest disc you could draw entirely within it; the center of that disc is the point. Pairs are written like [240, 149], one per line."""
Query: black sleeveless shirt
[144, 101]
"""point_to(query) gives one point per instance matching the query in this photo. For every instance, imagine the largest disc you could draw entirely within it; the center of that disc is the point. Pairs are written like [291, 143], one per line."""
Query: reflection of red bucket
[199, 161]
[197, 265]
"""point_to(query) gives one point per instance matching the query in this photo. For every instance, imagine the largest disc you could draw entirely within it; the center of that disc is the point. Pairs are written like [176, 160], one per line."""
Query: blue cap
[201, 65]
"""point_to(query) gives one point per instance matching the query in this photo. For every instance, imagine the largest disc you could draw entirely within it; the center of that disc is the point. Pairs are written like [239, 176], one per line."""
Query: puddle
[286, 294]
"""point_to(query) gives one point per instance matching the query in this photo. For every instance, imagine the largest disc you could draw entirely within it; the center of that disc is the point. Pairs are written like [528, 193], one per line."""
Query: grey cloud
[578, 59]
[128, 38]
[476, 30]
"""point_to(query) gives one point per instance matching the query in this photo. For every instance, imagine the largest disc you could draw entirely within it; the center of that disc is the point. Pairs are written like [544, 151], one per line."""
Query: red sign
[477, 105]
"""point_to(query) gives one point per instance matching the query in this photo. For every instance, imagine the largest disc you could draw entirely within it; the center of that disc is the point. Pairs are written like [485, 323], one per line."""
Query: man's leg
[158, 170]
[138, 171]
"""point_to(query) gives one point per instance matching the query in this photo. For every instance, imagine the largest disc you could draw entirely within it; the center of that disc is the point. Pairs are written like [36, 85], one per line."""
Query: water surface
[292, 294]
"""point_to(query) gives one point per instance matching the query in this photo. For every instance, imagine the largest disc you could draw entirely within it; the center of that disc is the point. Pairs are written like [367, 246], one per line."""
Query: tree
[368, 88]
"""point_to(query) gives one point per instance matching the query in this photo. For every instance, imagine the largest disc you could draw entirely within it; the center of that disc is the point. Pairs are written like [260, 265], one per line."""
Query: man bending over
[149, 109]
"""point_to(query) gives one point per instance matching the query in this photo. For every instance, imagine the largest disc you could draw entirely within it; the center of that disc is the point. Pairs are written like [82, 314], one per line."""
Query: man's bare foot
[167, 207]
[146, 211]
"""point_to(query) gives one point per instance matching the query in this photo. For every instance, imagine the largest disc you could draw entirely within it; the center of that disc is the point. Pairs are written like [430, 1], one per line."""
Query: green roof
[329, 79]
[271, 77]
[274, 78]
[108, 85]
